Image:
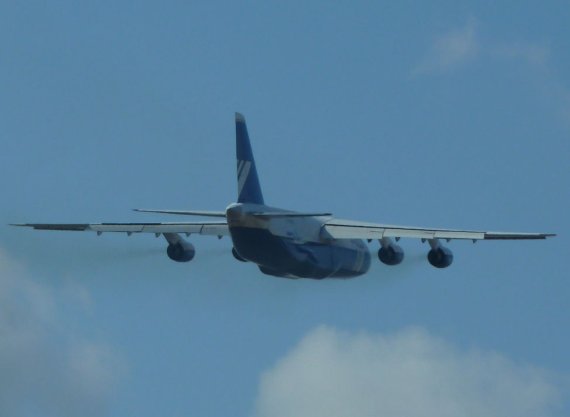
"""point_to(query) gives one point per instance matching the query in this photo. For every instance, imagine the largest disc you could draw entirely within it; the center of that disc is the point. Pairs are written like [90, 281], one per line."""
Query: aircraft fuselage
[293, 247]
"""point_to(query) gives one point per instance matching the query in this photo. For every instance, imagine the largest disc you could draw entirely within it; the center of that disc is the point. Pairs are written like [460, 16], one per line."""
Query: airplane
[286, 243]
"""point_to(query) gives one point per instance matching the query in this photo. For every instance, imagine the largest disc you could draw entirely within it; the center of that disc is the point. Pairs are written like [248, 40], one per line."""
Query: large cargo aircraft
[286, 243]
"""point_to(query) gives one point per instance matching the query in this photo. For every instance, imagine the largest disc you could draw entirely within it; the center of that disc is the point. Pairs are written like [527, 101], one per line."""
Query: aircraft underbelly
[286, 258]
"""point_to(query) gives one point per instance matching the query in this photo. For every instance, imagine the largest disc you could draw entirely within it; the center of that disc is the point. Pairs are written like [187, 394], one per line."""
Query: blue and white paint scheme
[286, 243]
[292, 243]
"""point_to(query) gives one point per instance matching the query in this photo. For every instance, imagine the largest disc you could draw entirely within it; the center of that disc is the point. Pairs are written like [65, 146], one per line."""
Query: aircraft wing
[204, 228]
[348, 229]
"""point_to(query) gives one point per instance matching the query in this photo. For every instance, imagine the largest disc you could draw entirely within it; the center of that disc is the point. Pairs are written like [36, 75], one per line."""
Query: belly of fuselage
[284, 257]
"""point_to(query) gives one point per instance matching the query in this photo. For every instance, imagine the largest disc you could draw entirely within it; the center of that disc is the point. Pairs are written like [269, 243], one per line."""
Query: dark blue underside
[283, 257]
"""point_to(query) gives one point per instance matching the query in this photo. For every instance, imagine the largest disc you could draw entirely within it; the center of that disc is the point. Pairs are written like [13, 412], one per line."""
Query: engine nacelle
[181, 251]
[440, 257]
[391, 254]
[237, 255]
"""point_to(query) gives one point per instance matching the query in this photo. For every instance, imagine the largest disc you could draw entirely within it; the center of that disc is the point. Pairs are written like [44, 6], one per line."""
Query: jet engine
[390, 253]
[440, 257]
[237, 255]
[181, 251]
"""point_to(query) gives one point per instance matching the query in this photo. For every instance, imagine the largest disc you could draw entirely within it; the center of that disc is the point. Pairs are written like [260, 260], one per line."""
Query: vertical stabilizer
[249, 190]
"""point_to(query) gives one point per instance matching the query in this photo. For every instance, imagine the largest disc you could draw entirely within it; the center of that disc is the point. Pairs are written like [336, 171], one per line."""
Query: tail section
[249, 190]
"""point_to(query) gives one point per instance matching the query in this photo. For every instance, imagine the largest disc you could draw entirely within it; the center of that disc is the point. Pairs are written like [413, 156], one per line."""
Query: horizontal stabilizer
[273, 214]
[277, 214]
[186, 212]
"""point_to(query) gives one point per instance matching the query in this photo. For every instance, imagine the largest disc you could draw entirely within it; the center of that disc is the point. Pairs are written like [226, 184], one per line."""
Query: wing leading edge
[347, 229]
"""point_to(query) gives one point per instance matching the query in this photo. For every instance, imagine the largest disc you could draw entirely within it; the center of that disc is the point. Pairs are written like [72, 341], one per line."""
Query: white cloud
[45, 369]
[450, 51]
[457, 48]
[410, 373]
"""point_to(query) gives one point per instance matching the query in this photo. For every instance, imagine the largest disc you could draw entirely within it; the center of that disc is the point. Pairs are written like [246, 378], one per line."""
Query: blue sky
[447, 114]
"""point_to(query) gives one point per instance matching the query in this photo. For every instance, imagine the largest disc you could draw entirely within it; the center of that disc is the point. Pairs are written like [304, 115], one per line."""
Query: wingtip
[240, 117]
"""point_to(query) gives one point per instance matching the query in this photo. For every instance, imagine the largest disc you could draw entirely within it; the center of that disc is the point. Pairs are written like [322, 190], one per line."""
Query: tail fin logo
[243, 172]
